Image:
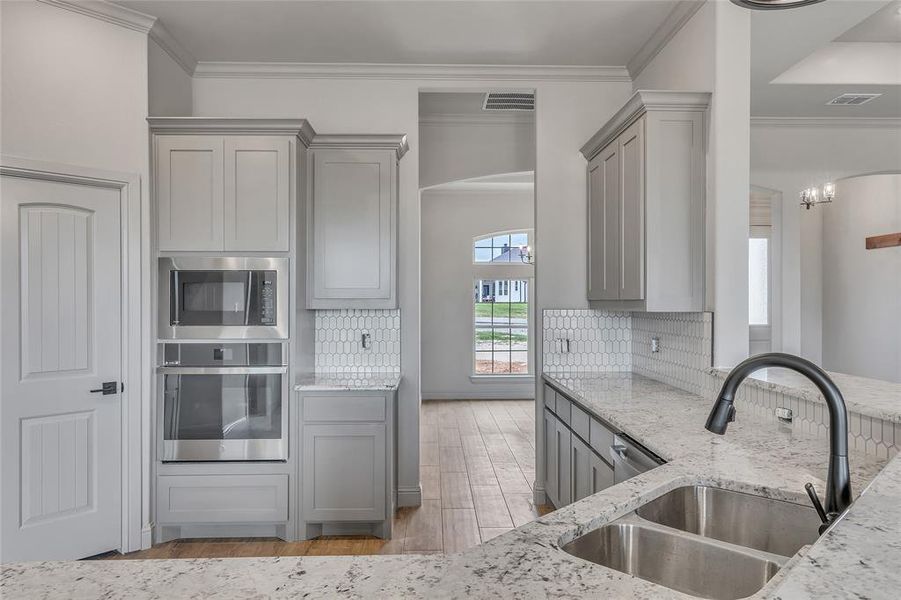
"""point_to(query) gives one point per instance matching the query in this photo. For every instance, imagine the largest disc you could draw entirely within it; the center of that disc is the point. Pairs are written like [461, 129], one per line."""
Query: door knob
[107, 388]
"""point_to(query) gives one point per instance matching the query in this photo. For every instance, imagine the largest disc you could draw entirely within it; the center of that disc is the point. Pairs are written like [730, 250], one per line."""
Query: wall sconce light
[812, 195]
[525, 255]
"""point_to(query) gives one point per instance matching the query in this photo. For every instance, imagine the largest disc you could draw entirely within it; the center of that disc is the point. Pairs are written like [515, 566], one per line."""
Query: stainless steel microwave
[223, 298]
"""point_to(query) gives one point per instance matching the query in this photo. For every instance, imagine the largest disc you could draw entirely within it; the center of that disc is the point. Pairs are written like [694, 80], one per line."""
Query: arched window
[501, 248]
[501, 304]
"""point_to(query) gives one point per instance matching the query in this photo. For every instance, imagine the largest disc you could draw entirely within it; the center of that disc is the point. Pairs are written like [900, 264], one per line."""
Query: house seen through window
[501, 306]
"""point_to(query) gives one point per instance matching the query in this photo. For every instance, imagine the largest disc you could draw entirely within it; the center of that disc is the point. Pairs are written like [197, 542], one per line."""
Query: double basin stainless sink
[704, 541]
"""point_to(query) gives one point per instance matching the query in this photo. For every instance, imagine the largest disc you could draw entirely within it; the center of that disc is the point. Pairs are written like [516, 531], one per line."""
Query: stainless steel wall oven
[223, 402]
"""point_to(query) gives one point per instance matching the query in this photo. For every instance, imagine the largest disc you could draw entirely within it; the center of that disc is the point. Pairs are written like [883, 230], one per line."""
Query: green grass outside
[500, 336]
[516, 309]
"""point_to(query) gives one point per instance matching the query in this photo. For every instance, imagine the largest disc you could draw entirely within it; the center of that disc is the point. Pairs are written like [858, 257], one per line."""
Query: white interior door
[60, 326]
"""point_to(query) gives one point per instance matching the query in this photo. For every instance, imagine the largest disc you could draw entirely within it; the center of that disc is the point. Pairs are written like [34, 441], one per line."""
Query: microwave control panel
[267, 300]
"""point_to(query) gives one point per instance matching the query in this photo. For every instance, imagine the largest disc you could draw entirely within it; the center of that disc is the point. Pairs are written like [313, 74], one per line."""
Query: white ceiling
[562, 32]
[780, 40]
[883, 26]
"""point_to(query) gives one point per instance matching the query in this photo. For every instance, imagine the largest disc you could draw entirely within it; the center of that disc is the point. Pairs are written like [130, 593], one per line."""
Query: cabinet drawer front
[550, 398]
[580, 422]
[600, 438]
[222, 498]
[353, 407]
[564, 407]
[344, 472]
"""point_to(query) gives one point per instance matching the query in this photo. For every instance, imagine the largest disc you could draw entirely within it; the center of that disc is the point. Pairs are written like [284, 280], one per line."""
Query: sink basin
[744, 519]
[678, 561]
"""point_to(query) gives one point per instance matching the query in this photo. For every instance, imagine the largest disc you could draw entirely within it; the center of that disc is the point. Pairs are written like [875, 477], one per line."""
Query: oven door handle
[223, 370]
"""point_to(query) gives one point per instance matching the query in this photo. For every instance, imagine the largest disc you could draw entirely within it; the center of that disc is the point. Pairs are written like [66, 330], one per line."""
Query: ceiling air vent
[509, 101]
[852, 99]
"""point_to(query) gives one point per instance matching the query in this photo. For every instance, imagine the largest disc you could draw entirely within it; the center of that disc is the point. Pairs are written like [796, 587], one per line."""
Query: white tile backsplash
[586, 340]
[338, 345]
[685, 348]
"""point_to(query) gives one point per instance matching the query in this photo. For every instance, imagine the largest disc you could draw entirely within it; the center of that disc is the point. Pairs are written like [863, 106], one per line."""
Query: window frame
[529, 233]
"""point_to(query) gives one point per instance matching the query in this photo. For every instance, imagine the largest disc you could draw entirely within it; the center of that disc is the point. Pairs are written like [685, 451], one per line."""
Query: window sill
[502, 378]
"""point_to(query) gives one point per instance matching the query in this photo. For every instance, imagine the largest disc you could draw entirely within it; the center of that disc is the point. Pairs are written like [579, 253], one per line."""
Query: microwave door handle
[247, 298]
[174, 299]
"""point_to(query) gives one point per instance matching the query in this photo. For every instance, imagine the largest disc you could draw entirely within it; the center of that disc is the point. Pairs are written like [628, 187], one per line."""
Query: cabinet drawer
[222, 498]
[580, 422]
[563, 408]
[550, 398]
[350, 407]
[600, 438]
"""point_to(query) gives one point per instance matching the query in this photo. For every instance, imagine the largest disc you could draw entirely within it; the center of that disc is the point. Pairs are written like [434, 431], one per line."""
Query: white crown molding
[233, 126]
[288, 70]
[844, 122]
[641, 102]
[396, 142]
[485, 118]
[107, 11]
[184, 59]
[468, 187]
[677, 18]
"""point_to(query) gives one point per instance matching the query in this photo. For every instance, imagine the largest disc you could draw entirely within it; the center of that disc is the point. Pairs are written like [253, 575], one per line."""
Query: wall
[74, 89]
[74, 92]
[169, 87]
[712, 53]
[338, 341]
[450, 222]
[587, 340]
[455, 149]
[789, 157]
[567, 114]
[862, 288]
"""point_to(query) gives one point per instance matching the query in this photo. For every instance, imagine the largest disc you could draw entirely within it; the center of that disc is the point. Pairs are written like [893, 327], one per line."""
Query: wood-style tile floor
[477, 464]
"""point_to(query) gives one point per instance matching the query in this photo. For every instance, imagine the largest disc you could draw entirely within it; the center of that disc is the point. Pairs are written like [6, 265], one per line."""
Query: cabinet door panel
[551, 458]
[344, 472]
[631, 209]
[189, 192]
[564, 464]
[601, 474]
[581, 469]
[354, 228]
[257, 193]
[604, 226]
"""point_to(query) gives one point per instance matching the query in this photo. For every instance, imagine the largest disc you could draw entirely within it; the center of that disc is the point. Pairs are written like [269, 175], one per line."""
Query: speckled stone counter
[859, 557]
[871, 397]
[329, 382]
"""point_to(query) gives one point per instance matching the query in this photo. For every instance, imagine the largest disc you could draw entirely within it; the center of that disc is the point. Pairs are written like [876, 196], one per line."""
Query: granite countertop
[859, 557]
[349, 381]
[870, 397]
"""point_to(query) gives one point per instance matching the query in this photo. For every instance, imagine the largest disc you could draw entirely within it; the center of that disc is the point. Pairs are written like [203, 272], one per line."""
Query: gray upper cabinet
[225, 185]
[257, 193]
[646, 186]
[189, 185]
[352, 221]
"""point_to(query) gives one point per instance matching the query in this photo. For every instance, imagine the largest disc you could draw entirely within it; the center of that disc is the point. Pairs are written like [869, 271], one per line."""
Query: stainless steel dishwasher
[630, 458]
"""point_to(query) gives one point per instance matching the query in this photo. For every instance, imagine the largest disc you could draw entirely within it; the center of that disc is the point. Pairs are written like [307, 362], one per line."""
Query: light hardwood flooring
[477, 465]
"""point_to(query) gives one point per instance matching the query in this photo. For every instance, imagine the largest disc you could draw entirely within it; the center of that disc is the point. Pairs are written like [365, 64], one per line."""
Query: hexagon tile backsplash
[339, 344]
[586, 340]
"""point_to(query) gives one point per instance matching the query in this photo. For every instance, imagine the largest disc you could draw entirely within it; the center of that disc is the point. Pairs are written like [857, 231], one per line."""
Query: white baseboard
[480, 395]
[411, 496]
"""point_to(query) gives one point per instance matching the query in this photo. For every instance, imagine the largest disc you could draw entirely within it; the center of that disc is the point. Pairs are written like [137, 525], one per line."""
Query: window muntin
[504, 248]
[501, 326]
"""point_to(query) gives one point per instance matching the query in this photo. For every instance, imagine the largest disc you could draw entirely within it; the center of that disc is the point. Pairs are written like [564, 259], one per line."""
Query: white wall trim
[269, 70]
[677, 18]
[107, 11]
[851, 122]
[135, 330]
[159, 34]
[486, 118]
[409, 496]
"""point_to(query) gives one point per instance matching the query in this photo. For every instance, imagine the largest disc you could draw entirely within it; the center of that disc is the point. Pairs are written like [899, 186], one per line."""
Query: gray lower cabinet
[346, 462]
[233, 498]
[574, 463]
[344, 472]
